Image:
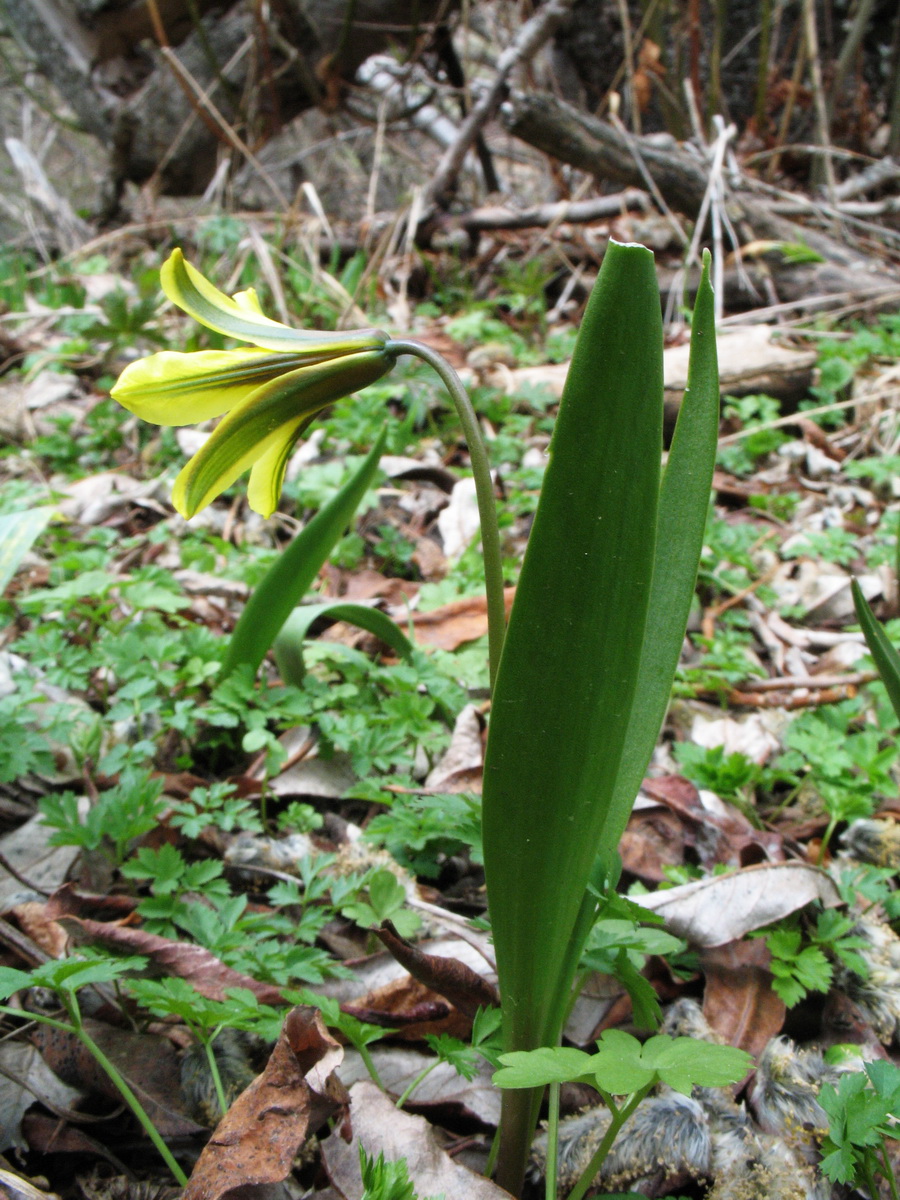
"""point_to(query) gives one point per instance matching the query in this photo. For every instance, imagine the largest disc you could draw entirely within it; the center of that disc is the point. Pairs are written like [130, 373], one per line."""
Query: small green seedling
[387, 898]
[120, 815]
[801, 957]
[463, 1058]
[863, 1111]
[66, 977]
[358, 1033]
[207, 1018]
[385, 1179]
[621, 1067]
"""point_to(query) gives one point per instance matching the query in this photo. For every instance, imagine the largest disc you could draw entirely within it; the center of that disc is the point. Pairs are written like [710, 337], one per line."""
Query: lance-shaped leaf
[683, 505]
[294, 571]
[570, 663]
[887, 660]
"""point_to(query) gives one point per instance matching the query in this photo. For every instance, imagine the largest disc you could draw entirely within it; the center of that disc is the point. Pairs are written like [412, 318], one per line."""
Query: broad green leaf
[683, 507]
[887, 660]
[18, 533]
[536, 1068]
[618, 1064]
[241, 317]
[293, 573]
[271, 415]
[570, 663]
[569, 666]
[288, 645]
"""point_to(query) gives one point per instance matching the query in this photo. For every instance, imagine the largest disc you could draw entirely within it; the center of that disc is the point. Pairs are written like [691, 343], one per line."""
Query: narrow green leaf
[569, 667]
[288, 645]
[18, 533]
[294, 571]
[683, 506]
[887, 660]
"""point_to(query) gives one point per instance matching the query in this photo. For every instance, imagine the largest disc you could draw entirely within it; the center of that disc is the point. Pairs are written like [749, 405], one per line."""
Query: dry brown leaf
[31, 917]
[148, 1063]
[464, 988]
[442, 1087]
[462, 765]
[257, 1139]
[738, 1000]
[454, 624]
[722, 908]
[410, 1008]
[381, 1128]
[208, 974]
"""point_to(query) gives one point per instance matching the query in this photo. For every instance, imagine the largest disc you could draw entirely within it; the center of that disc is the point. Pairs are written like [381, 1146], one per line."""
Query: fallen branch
[608, 153]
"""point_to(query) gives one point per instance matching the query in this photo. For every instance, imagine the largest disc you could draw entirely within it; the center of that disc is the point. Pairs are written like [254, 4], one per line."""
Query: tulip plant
[582, 676]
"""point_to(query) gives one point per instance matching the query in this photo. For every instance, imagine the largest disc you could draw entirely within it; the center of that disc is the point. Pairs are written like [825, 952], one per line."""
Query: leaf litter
[771, 742]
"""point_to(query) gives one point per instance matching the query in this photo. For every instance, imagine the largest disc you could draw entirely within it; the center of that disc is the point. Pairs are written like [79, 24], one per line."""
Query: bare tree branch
[533, 34]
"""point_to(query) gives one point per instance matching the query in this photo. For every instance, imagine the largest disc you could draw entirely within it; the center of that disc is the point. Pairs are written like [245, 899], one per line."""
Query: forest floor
[202, 856]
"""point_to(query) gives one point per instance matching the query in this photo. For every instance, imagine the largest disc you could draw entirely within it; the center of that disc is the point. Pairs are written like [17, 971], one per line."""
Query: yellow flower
[270, 393]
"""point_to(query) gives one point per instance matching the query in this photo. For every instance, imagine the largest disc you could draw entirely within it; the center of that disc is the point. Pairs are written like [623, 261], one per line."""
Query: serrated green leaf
[70, 974]
[536, 1068]
[618, 1064]
[840, 1165]
[12, 981]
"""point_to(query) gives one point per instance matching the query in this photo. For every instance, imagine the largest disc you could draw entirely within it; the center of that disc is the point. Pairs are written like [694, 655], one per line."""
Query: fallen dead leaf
[208, 974]
[463, 761]
[381, 1128]
[451, 625]
[738, 1000]
[26, 1080]
[257, 1139]
[148, 1063]
[454, 980]
[410, 1008]
[441, 1088]
[722, 908]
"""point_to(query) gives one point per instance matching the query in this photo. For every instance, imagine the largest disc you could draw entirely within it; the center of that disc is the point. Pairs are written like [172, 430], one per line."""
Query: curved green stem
[415, 1083]
[887, 1169]
[78, 1030]
[552, 1143]
[484, 491]
[214, 1071]
[619, 1117]
[133, 1103]
[369, 1064]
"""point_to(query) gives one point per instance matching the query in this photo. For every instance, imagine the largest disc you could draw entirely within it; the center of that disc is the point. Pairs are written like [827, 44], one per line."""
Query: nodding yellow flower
[270, 393]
